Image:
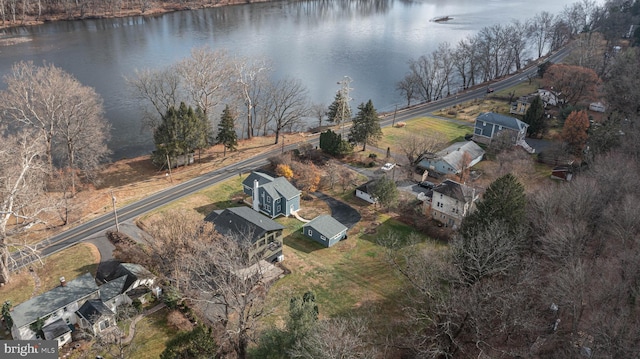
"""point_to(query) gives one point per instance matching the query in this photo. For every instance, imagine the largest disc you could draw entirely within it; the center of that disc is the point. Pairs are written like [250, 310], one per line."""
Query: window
[104, 324]
[279, 208]
[268, 199]
[64, 309]
[309, 231]
[323, 238]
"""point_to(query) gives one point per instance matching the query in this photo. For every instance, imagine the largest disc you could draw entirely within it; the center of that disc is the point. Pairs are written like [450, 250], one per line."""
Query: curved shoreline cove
[318, 42]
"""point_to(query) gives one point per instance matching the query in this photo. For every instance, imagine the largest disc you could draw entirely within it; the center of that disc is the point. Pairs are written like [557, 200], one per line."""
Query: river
[318, 42]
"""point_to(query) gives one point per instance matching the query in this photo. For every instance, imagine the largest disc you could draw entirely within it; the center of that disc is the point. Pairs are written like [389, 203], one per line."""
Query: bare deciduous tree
[339, 338]
[285, 105]
[23, 199]
[160, 88]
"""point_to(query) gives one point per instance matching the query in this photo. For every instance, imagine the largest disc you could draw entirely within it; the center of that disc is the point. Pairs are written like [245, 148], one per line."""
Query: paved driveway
[341, 211]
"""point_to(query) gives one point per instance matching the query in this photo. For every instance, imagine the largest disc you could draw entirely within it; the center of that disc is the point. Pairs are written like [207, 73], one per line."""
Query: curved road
[81, 232]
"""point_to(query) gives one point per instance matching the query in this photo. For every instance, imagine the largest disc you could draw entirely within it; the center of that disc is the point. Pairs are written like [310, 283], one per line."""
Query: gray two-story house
[272, 196]
[243, 223]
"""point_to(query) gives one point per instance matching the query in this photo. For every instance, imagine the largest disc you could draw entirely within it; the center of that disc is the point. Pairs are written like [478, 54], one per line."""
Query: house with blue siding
[271, 196]
[453, 159]
[489, 124]
[325, 230]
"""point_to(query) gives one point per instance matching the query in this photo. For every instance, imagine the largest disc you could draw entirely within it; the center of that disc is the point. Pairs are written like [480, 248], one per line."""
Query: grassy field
[152, 333]
[447, 131]
[69, 263]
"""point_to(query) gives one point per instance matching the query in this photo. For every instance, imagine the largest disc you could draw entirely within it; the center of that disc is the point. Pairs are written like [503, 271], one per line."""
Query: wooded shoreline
[19, 13]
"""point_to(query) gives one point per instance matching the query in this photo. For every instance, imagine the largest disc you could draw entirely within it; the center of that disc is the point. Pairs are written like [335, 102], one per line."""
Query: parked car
[388, 166]
[427, 184]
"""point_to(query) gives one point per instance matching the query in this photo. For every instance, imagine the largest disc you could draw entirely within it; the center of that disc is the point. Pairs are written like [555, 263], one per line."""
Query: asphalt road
[98, 225]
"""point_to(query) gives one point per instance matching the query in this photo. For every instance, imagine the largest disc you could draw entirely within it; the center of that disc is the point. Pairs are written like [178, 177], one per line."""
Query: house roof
[131, 272]
[367, 187]
[48, 302]
[243, 221]
[455, 190]
[93, 310]
[113, 288]
[276, 187]
[453, 154]
[326, 226]
[56, 329]
[502, 120]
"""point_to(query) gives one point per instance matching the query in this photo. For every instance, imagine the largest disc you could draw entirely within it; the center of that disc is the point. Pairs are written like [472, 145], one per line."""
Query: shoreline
[154, 10]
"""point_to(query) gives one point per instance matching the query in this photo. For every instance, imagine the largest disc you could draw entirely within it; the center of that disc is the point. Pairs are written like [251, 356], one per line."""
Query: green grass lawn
[444, 130]
[151, 336]
[69, 263]
[343, 277]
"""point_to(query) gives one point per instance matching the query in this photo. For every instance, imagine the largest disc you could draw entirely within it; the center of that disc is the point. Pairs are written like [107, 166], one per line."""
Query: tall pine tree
[226, 131]
[503, 201]
[366, 126]
[534, 117]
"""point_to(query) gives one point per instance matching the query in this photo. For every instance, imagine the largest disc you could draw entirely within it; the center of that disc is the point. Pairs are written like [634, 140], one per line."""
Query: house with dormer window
[271, 196]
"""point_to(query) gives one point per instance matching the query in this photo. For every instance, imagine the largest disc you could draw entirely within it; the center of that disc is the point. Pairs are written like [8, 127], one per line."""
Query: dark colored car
[490, 89]
[427, 184]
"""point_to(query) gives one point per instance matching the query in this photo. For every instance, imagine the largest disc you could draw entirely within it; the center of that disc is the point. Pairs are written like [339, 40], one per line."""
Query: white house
[56, 308]
[450, 202]
[453, 159]
[78, 302]
[365, 192]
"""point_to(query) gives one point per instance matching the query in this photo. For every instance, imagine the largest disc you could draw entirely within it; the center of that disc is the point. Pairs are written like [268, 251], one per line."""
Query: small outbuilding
[365, 192]
[325, 230]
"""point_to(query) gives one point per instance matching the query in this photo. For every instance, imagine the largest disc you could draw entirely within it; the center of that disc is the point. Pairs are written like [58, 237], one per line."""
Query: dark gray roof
[502, 120]
[59, 297]
[111, 289]
[242, 221]
[367, 187]
[455, 190]
[93, 310]
[326, 225]
[56, 329]
[262, 179]
[132, 272]
[276, 187]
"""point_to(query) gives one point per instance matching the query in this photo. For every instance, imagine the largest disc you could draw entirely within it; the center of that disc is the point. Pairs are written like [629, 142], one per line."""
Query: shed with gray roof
[325, 230]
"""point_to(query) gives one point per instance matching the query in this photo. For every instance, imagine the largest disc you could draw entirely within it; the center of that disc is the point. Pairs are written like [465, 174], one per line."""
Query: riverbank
[32, 16]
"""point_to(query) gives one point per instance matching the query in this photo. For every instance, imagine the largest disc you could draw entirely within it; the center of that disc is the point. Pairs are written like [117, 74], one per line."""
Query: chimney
[63, 282]
[256, 199]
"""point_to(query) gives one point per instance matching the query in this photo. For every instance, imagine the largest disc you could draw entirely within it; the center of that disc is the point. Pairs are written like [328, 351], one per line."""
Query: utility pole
[393, 123]
[115, 212]
[344, 92]
[169, 166]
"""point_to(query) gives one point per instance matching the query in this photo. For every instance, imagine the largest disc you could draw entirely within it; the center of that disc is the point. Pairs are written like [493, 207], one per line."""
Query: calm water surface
[318, 42]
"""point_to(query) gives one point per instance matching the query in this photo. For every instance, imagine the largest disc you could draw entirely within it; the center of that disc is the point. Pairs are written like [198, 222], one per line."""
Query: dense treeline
[498, 50]
[19, 12]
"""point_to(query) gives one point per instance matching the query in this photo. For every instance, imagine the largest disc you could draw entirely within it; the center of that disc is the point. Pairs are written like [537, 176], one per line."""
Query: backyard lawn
[438, 128]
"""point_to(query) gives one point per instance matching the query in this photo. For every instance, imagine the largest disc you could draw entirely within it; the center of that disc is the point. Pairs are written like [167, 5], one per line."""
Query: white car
[388, 166]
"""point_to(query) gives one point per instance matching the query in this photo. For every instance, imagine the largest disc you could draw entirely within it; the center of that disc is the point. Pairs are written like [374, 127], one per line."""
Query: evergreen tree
[195, 344]
[333, 144]
[339, 110]
[386, 192]
[226, 131]
[503, 201]
[303, 318]
[366, 126]
[181, 131]
[534, 117]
